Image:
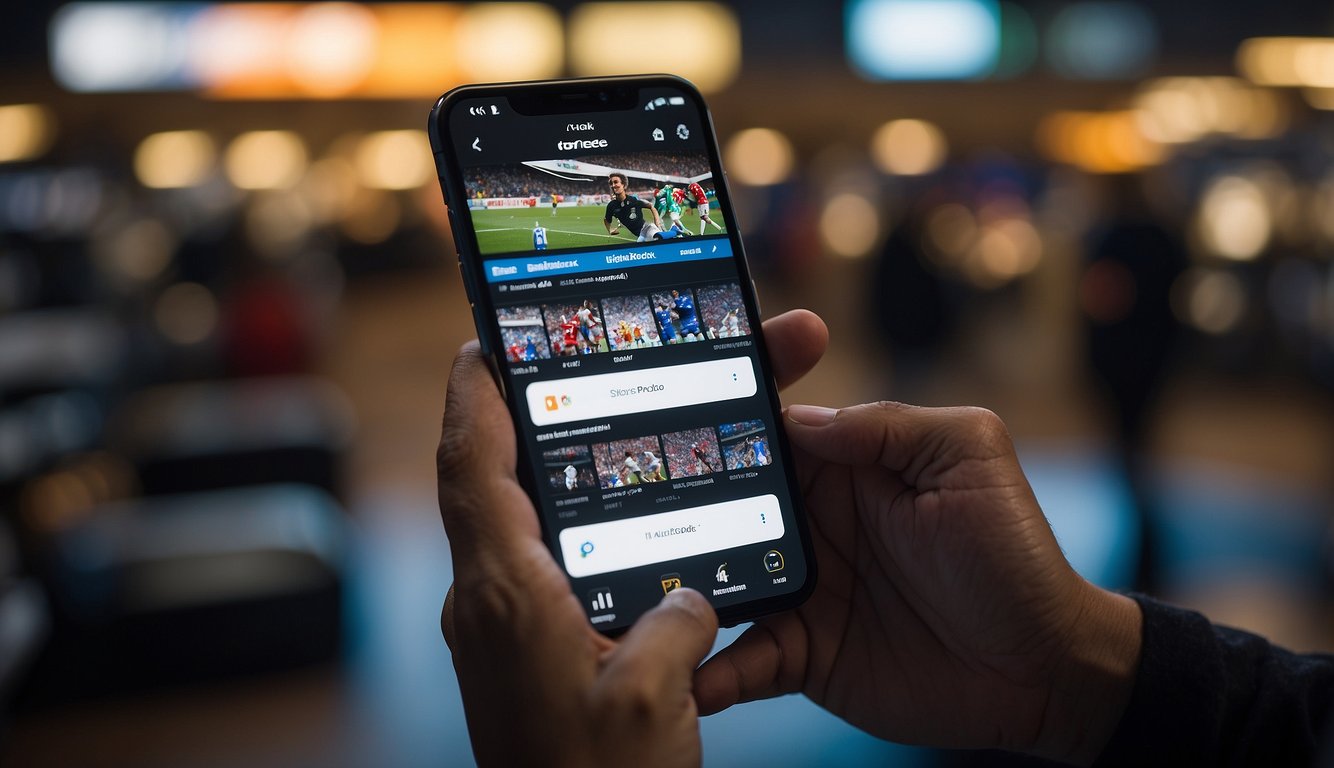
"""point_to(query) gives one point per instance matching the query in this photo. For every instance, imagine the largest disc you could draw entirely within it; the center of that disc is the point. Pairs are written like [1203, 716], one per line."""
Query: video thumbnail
[745, 445]
[522, 334]
[629, 462]
[570, 469]
[678, 320]
[722, 311]
[576, 329]
[597, 200]
[691, 452]
[629, 323]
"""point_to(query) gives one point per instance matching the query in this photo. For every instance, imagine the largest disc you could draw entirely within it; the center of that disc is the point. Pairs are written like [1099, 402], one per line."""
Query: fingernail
[811, 415]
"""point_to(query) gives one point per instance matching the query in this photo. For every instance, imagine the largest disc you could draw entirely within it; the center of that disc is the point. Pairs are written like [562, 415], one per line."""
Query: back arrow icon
[477, 143]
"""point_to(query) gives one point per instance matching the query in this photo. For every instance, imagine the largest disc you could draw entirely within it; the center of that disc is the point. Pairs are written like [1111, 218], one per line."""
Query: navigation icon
[657, 135]
[682, 132]
[477, 143]
[773, 561]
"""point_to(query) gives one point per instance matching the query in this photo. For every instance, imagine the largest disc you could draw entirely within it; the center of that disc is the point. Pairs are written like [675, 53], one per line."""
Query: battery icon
[677, 101]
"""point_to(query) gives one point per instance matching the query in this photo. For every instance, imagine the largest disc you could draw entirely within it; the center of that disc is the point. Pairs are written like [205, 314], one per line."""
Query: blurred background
[228, 305]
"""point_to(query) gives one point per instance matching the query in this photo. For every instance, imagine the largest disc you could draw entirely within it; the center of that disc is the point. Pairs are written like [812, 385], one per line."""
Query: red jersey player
[702, 206]
[570, 334]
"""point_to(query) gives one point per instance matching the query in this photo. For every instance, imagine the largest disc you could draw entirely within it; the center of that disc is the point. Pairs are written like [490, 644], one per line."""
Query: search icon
[585, 549]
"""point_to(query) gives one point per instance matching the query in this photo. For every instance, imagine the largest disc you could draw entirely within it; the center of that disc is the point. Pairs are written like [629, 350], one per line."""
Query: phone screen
[620, 306]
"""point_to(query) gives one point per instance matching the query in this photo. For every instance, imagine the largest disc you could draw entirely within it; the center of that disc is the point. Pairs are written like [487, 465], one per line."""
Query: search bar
[619, 544]
[557, 401]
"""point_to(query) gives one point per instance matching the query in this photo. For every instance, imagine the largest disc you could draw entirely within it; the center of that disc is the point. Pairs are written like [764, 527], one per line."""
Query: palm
[900, 638]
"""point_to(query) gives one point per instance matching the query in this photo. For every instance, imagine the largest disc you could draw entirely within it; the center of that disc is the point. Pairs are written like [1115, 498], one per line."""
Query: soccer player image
[669, 207]
[652, 466]
[677, 319]
[691, 452]
[684, 307]
[701, 199]
[576, 327]
[539, 237]
[521, 331]
[629, 315]
[627, 209]
[721, 310]
[667, 329]
[745, 444]
[618, 462]
[569, 469]
[555, 201]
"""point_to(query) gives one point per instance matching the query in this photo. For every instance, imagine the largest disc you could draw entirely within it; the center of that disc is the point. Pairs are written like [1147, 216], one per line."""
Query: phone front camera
[602, 96]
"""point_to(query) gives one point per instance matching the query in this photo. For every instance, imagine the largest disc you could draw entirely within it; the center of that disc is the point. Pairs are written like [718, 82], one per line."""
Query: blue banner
[673, 251]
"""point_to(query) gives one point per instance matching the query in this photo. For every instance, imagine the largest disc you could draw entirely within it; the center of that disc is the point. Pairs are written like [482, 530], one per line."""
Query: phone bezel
[582, 96]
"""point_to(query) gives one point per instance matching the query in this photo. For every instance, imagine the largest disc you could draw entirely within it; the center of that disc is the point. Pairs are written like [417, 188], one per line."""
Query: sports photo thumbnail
[745, 444]
[575, 328]
[570, 469]
[629, 462]
[678, 320]
[722, 312]
[596, 200]
[522, 334]
[629, 323]
[691, 452]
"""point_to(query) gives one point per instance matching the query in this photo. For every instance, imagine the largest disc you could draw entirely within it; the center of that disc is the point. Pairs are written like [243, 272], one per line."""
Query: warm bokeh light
[265, 160]
[908, 147]
[1178, 110]
[186, 313]
[1008, 248]
[1319, 98]
[849, 225]
[1289, 61]
[951, 231]
[329, 187]
[510, 41]
[758, 157]
[331, 47]
[371, 216]
[138, 252]
[395, 160]
[1098, 142]
[278, 221]
[174, 159]
[26, 132]
[923, 39]
[1209, 300]
[1234, 219]
[702, 40]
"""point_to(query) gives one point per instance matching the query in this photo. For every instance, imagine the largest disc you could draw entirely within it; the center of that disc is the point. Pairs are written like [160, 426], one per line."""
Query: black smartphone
[608, 284]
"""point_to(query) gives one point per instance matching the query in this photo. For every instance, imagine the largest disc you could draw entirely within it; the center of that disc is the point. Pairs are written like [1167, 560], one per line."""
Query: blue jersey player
[664, 316]
[539, 237]
[685, 310]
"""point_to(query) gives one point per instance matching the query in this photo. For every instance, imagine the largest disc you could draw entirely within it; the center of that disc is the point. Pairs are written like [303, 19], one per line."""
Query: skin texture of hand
[945, 613]
[539, 684]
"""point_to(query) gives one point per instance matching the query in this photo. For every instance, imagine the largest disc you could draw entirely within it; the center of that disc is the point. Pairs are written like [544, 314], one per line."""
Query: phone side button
[454, 230]
[467, 283]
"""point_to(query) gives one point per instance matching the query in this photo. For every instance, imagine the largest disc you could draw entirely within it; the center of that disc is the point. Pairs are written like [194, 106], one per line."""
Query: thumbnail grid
[657, 458]
[619, 323]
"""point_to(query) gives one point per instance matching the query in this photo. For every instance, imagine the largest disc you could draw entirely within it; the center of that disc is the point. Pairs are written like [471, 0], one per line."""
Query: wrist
[1093, 680]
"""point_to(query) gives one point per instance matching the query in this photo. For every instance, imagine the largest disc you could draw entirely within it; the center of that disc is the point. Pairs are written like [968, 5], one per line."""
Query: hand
[539, 684]
[945, 613]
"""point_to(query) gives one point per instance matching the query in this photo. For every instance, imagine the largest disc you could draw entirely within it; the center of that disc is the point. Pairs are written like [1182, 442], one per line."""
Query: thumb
[663, 648]
[919, 443]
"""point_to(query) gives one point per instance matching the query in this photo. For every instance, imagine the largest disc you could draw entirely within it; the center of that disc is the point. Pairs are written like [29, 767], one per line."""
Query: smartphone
[607, 280]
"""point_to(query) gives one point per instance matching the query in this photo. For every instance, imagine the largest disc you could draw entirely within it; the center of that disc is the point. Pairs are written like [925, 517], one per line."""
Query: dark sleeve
[1210, 695]
[606, 217]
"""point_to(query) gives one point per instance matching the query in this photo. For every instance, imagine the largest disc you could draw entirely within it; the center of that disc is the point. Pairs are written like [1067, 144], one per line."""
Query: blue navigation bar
[672, 251]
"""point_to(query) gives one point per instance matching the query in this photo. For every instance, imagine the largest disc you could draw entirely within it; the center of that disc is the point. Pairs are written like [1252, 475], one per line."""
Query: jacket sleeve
[1212, 695]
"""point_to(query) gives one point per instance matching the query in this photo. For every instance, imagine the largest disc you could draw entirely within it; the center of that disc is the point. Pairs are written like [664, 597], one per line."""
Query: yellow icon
[671, 581]
[551, 403]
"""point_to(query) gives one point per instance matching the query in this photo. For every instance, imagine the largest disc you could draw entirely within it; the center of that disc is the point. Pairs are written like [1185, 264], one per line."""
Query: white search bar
[557, 401]
[620, 544]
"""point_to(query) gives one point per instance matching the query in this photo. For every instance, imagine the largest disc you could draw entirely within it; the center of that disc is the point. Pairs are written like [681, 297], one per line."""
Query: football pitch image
[510, 230]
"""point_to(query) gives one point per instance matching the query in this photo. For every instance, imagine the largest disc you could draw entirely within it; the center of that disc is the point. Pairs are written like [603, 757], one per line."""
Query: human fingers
[665, 645]
[767, 660]
[480, 501]
[447, 620]
[919, 443]
[796, 339]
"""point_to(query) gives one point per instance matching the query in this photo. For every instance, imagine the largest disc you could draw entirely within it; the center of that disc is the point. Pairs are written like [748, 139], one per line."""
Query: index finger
[796, 339]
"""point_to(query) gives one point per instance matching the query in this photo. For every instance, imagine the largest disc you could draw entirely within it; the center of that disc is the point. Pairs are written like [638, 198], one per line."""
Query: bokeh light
[758, 157]
[1098, 142]
[395, 160]
[174, 159]
[849, 225]
[922, 39]
[510, 41]
[186, 313]
[1102, 40]
[1211, 300]
[26, 131]
[1307, 61]
[331, 47]
[1234, 219]
[908, 147]
[265, 160]
[703, 39]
